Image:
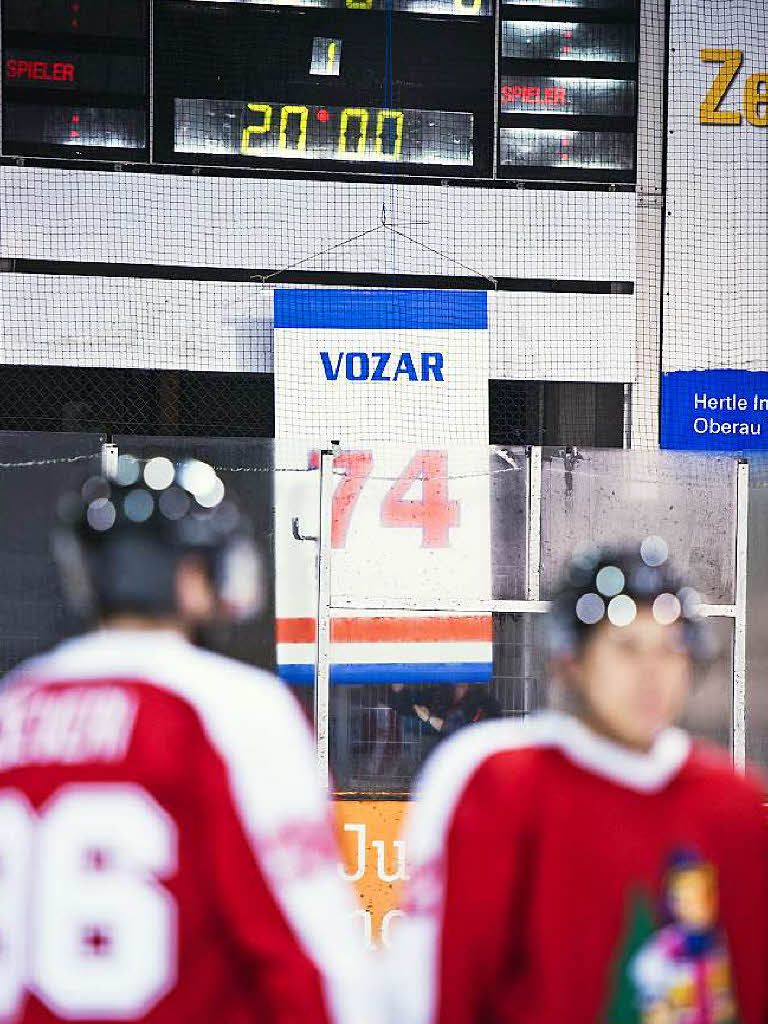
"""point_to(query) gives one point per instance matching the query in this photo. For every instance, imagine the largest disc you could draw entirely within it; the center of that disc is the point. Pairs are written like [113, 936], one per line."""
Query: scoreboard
[428, 88]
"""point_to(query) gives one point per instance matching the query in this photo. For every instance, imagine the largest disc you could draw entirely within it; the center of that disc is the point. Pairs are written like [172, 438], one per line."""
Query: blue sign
[714, 410]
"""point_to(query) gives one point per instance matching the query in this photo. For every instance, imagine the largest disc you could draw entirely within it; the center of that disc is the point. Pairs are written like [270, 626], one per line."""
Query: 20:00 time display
[292, 131]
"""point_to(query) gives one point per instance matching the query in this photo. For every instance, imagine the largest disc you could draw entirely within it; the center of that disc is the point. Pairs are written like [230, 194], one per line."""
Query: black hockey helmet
[119, 540]
[608, 584]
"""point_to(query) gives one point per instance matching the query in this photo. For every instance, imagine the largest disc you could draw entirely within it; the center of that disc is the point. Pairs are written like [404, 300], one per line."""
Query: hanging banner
[399, 378]
[366, 365]
[715, 354]
[410, 541]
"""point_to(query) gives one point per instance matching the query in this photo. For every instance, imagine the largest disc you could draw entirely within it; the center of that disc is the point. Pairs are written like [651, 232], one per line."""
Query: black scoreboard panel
[568, 90]
[611, 5]
[443, 7]
[105, 19]
[542, 94]
[400, 87]
[74, 78]
[338, 88]
[568, 150]
[569, 40]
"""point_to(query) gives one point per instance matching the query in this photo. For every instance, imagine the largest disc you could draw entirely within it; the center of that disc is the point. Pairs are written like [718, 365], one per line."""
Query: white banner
[362, 366]
[410, 540]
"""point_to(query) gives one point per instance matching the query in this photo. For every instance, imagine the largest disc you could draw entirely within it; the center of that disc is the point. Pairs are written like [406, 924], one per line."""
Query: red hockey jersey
[166, 853]
[559, 879]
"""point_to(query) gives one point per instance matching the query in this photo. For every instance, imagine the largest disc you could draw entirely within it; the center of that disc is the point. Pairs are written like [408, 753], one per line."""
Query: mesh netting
[160, 189]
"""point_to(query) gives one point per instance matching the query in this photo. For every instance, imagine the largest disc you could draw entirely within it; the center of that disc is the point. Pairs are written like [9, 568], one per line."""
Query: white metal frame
[323, 641]
[649, 225]
[531, 605]
[739, 699]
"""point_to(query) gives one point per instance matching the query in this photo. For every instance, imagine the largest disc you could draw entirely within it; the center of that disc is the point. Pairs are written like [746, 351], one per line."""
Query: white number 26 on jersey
[84, 922]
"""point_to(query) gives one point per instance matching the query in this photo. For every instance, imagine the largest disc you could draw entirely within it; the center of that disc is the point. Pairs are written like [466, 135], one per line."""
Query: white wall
[716, 309]
[262, 223]
[203, 325]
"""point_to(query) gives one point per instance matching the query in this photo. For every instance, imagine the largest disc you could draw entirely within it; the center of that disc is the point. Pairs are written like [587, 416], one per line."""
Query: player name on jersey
[81, 724]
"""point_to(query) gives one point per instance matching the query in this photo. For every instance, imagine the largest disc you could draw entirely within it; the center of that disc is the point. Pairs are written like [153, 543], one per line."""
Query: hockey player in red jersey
[166, 854]
[595, 866]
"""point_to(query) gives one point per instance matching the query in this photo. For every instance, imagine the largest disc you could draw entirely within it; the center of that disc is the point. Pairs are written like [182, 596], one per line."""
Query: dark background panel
[262, 55]
[568, 413]
[181, 402]
[109, 19]
[33, 612]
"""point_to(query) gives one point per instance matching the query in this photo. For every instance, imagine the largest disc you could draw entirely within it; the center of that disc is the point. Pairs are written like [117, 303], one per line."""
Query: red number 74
[434, 513]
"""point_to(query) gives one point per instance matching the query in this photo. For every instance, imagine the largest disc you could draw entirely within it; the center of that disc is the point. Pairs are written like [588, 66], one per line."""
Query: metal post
[649, 223]
[323, 650]
[532, 564]
[533, 560]
[109, 455]
[739, 719]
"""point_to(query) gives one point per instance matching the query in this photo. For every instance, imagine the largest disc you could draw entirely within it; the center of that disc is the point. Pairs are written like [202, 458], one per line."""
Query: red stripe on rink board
[432, 629]
[295, 631]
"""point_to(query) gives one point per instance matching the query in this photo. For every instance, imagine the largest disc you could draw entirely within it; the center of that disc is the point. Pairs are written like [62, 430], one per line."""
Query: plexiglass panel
[509, 511]
[708, 713]
[624, 496]
[382, 733]
[246, 469]
[421, 540]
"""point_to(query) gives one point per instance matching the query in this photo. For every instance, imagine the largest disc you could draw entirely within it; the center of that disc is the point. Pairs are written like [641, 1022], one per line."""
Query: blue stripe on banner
[714, 410]
[381, 308]
[419, 673]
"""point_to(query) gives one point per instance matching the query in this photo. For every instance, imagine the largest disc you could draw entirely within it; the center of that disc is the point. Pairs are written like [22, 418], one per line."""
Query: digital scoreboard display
[541, 94]
[575, 150]
[74, 78]
[383, 87]
[334, 86]
[444, 7]
[620, 5]
[569, 40]
[567, 102]
[295, 131]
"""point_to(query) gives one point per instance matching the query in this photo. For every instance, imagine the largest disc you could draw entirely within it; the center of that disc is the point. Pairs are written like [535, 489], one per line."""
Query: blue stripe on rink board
[431, 672]
[381, 308]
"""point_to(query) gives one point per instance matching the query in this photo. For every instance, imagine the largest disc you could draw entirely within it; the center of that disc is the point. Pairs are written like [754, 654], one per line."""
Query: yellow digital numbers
[331, 59]
[388, 116]
[354, 122]
[359, 5]
[361, 114]
[303, 115]
[256, 129]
